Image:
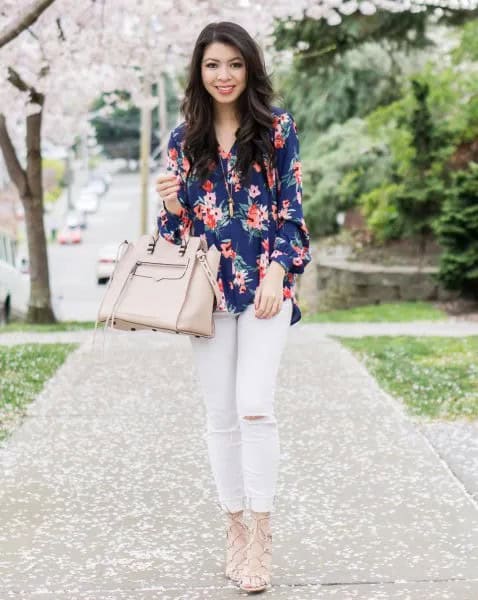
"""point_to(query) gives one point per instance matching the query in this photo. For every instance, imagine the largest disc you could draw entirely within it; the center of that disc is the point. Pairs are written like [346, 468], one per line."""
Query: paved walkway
[106, 491]
[56, 337]
[447, 327]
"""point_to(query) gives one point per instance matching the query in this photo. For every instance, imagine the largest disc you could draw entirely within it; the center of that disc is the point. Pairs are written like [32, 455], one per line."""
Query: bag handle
[200, 255]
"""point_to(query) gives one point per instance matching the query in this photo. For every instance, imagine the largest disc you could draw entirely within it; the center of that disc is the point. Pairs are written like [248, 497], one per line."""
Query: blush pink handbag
[161, 286]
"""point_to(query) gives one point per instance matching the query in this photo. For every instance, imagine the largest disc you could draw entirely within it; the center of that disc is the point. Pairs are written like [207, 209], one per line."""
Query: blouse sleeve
[172, 227]
[291, 246]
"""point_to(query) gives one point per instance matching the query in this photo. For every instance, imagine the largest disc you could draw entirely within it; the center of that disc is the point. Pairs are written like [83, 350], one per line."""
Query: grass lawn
[376, 313]
[46, 327]
[434, 376]
[24, 368]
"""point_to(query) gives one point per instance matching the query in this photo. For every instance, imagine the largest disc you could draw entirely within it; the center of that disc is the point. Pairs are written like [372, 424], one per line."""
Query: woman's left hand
[269, 294]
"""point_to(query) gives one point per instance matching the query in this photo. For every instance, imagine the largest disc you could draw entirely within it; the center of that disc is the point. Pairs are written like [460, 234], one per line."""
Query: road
[76, 294]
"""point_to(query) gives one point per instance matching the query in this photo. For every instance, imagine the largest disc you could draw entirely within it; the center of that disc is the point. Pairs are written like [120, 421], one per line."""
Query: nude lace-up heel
[256, 572]
[237, 536]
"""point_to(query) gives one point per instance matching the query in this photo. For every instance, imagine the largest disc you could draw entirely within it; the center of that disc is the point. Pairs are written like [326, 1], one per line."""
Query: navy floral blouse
[267, 224]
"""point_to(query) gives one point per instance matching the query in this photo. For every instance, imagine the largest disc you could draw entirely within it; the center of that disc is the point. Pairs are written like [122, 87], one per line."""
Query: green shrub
[380, 209]
[457, 230]
[339, 166]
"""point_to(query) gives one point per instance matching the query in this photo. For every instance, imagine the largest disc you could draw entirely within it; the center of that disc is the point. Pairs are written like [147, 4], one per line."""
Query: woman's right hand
[167, 186]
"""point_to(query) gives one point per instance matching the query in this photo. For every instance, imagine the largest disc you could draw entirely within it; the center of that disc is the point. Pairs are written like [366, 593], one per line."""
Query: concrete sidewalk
[446, 327]
[106, 491]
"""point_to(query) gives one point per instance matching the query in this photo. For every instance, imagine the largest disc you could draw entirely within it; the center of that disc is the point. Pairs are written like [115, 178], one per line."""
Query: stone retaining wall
[329, 283]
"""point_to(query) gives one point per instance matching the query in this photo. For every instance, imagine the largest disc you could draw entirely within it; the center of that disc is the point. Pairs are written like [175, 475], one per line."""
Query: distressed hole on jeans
[253, 417]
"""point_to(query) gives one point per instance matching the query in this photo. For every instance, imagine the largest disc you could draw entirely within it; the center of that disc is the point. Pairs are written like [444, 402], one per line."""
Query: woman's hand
[167, 186]
[269, 295]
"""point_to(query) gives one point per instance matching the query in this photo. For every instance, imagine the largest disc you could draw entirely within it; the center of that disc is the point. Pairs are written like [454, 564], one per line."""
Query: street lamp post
[68, 180]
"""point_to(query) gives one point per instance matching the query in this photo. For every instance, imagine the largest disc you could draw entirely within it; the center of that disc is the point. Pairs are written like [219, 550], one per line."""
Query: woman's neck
[226, 115]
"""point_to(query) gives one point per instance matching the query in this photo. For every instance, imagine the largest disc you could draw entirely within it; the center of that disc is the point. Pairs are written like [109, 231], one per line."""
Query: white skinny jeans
[237, 370]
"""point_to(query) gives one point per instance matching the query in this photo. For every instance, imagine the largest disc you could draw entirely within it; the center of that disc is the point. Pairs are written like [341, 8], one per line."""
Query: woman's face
[223, 72]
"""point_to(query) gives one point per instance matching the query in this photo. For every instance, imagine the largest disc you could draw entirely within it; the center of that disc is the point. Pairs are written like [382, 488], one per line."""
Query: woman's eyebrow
[217, 60]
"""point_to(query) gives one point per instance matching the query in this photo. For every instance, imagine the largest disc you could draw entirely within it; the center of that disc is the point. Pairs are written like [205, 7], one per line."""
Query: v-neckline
[223, 151]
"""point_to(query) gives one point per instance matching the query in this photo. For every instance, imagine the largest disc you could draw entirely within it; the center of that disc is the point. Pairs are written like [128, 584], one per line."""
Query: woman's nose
[224, 75]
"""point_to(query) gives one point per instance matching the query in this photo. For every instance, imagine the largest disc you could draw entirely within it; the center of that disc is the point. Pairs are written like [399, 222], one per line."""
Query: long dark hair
[252, 137]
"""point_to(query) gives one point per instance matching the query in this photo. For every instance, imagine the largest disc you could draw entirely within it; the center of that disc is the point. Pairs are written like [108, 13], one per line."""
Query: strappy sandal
[256, 572]
[237, 536]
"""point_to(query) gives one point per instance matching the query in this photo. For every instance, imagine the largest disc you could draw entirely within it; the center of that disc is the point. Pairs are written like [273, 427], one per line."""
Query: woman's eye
[235, 65]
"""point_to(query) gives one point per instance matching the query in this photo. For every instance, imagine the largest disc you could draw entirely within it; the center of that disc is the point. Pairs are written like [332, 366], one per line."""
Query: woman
[236, 178]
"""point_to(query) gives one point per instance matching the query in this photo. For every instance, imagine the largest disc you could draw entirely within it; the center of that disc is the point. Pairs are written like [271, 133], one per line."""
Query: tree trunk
[30, 188]
[39, 309]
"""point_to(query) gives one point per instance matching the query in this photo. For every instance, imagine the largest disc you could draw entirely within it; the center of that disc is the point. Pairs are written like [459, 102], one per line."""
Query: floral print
[267, 224]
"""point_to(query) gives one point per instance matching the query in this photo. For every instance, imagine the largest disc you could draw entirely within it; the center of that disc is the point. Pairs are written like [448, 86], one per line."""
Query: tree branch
[14, 168]
[24, 21]
[15, 79]
[60, 30]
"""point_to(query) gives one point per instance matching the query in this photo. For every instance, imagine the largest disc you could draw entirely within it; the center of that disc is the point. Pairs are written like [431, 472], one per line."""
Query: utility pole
[162, 114]
[145, 155]
[86, 157]
[69, 179]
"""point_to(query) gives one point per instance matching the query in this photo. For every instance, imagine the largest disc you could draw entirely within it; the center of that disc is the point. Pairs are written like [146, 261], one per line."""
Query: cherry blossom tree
[46, 89]
[332, 11]
[25, 19]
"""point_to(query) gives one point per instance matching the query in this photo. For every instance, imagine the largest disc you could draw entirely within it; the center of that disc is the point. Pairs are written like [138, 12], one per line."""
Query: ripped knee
[265, 418]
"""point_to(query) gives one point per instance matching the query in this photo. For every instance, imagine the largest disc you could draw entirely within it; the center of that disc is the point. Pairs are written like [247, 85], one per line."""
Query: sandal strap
[235, 551]
[258, 554]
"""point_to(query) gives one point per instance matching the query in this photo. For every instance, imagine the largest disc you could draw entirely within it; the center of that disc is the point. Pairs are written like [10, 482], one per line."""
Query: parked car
[14, 284]
[87, 202]
[70, 235]
[97, 186]
[105, 263]
[76, 219]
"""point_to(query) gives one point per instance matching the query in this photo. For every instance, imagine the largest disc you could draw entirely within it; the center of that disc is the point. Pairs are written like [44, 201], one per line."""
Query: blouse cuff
[294, 253]
[174, 219]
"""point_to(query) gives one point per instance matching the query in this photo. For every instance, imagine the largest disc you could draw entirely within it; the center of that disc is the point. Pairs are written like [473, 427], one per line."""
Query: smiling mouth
[225, 87]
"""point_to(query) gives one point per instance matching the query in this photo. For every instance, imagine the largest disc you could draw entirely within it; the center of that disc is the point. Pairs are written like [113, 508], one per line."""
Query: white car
[88, 202]
[105, 263]
[14, 282]
[96, 186]
[76, 219]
